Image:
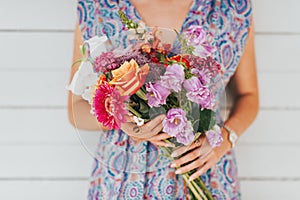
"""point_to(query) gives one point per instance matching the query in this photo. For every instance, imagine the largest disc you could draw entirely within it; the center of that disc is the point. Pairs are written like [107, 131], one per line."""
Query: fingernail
[170, 145]
[173, 165]
[174, 154]
[178, 171]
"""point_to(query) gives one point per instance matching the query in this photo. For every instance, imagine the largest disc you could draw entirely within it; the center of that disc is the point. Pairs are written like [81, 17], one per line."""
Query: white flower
[85, 77]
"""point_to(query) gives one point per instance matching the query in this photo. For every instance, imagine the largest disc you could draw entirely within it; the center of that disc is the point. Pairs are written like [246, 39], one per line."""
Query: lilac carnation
[198, 93]
[173, 77]
[186, 135]
[202, 75]
[157, 94]
[175, 121]
[198, 37]
[214, 136]
[195, 35]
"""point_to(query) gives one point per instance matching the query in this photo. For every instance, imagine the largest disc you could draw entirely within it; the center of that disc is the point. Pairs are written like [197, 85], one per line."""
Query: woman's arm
[79, 109]
[243, 113]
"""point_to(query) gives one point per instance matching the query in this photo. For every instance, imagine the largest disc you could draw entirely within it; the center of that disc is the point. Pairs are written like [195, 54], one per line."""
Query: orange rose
[129, 78]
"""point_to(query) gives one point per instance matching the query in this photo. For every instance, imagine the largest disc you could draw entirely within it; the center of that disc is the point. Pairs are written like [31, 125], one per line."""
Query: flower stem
[133, 111]
[140, 93]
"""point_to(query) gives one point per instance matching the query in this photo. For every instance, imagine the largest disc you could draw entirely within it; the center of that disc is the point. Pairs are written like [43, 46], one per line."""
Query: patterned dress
[127, 170]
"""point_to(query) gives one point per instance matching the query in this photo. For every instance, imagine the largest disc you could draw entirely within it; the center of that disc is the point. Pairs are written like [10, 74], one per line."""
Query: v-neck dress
[127, 170]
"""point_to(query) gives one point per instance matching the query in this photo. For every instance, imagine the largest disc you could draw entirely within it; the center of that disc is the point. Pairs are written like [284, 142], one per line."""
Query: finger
[201, 170]
[161, 136]
[137, 139]
[186, 158]
[196, 164]
[162, 143]
[154, 123]
[184, 149]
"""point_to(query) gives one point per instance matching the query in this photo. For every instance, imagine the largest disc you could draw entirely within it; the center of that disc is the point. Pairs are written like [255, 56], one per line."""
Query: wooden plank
[36, 51]
[46, 190]
[53, 51]
[77, 190]
[278, 53]
[40, 88]
[45, 126]
[35, 14]
[273, 127]
[33, 88]
[44, 161]
[268, 161]
[266, 15]
[275, 190]
[36, 126]
[49, 161]
[277, 16]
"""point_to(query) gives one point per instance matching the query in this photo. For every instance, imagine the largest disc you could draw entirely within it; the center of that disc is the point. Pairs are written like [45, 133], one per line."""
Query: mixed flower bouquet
[150, 77]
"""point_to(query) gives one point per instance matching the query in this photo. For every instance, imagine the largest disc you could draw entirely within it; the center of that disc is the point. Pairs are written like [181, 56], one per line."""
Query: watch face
[233, 137]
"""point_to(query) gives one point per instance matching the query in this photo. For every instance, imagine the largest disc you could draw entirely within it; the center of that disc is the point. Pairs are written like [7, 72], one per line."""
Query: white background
[40, 155]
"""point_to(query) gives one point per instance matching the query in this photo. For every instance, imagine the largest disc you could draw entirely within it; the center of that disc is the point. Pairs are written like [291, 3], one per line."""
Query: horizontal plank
[277, 53]
[273, 127]
[26, 161]
[51, 127]
[35, 14]
[30, 161]
[53, 51]
[46, 190]
[33, 88]
[65, 15]
[77, 190]
[40, 88]
[275, 190]
[268, 161]
[48, 127]
[36, 51]
[277, 16]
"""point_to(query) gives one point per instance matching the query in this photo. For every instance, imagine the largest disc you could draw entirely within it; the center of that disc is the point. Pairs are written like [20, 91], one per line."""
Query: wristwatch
[233, 137]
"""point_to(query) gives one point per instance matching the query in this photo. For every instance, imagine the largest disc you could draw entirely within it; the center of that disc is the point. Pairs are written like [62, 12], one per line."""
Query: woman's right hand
[151, 131]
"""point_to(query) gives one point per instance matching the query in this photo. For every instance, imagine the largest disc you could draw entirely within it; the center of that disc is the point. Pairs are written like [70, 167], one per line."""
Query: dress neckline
[192, 8]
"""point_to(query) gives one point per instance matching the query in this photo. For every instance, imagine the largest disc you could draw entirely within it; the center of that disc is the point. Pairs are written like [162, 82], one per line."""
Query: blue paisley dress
[127, 170]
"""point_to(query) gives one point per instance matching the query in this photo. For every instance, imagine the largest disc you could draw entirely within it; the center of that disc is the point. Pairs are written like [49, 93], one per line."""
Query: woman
[128, 166]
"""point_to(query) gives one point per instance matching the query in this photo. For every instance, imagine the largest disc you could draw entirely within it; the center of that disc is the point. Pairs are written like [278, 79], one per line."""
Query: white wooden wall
[40, 155]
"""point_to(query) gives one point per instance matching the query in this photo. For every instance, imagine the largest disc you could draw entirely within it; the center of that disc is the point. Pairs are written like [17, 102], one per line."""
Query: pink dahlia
[109, 106]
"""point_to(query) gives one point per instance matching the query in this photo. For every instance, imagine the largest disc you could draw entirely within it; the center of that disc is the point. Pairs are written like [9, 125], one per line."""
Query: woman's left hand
[201, 157]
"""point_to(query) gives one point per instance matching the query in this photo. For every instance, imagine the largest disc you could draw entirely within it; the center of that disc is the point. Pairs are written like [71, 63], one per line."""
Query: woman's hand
[201, 156]
[147, 132]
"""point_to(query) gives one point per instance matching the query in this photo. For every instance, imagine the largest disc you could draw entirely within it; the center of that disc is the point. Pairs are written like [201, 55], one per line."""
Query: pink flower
[214, 137]
[186, 135]
[157, 94]
[109, 106]
[173, 77]
[105, 62]
[198, 93]
[175, 121]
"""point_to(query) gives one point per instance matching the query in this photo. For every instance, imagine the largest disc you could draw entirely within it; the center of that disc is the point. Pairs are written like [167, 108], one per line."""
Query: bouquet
[159, 71]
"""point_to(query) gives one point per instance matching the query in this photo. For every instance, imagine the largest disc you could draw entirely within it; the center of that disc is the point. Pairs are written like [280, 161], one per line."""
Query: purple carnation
[157, 94]
[175, 121]
[173, 77]
[186, 135]
[198, 37]
[198, 93]
[195, 35]
[202, 75]
[214, 137]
